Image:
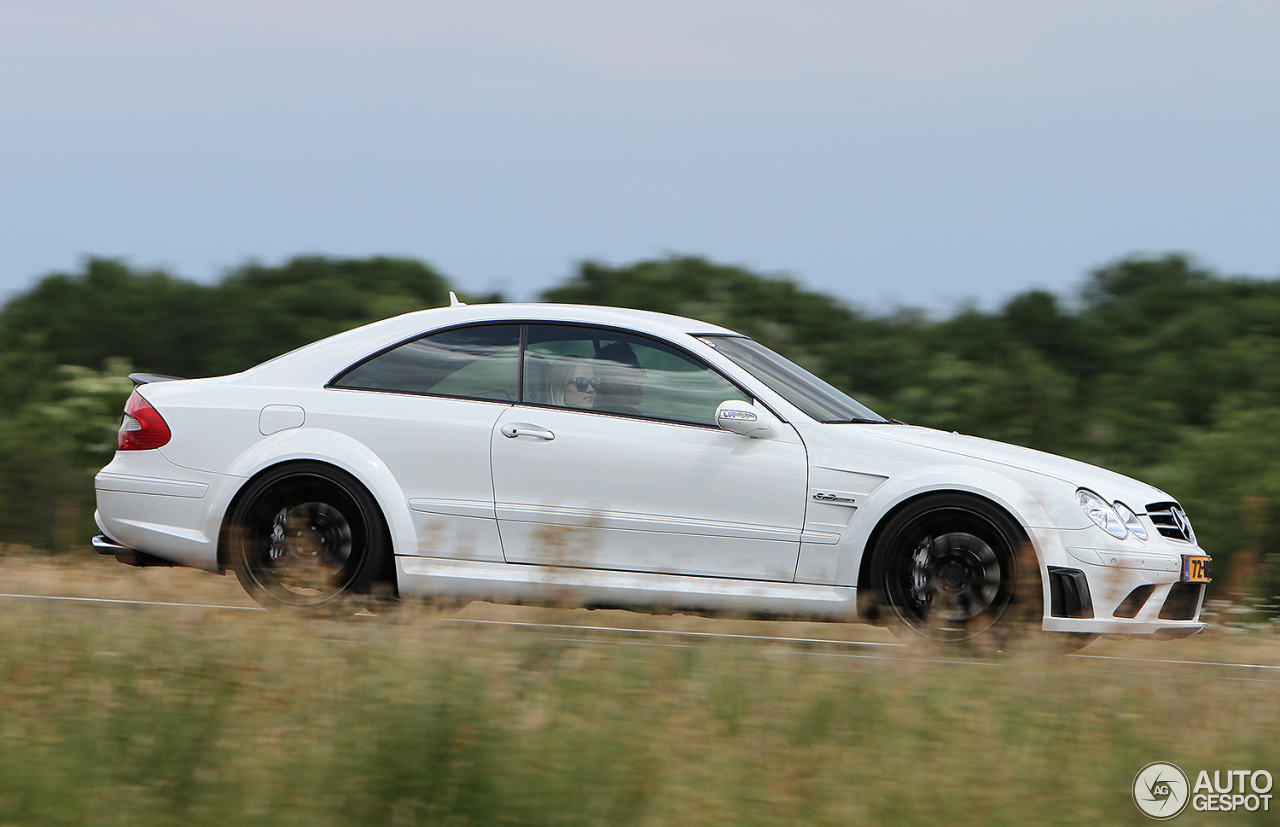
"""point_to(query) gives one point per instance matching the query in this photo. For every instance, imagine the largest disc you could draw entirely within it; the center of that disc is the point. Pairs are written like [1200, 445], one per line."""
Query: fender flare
[340, 451]
[1023, 507]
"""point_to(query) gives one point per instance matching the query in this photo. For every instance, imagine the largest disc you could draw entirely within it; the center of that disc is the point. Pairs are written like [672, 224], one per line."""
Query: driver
[622, 380]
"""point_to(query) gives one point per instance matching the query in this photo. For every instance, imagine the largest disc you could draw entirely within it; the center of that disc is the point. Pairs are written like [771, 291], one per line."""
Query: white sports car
[546, 454]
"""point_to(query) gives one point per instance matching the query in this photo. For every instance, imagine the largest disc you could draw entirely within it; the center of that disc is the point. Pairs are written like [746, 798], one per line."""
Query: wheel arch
[337, 451]
[387, 573]
[868, 600]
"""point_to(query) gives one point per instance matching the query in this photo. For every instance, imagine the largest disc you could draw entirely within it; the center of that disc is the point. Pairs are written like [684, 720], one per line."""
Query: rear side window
[480, 362]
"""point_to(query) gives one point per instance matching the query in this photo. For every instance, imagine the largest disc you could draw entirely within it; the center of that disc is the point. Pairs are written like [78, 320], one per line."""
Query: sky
[922, 153]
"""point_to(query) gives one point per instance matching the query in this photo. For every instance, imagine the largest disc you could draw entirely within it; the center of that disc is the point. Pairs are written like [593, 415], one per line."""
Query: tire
[307, 537]
[955, 568]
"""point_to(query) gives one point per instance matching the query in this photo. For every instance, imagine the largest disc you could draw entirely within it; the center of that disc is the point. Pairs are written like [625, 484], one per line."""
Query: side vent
[1183, 602]
[1133, 604]
[1069, 593]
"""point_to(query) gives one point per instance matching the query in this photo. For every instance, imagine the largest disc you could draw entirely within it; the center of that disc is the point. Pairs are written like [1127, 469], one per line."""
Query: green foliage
[266, 311]
[1020, 398]
[1229, 477]
[165, 325]
[51, 444]
[157, 321]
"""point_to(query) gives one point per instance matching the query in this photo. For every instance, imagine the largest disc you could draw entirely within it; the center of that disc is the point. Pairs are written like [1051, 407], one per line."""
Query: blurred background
[1051, 224]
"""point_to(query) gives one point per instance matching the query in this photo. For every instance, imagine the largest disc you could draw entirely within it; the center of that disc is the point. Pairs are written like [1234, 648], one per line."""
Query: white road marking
[136, 602]
[669, 633]
[1179, 662]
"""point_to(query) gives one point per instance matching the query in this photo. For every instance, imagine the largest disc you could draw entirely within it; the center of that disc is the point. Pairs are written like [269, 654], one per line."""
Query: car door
[613, 462]
[427, 409]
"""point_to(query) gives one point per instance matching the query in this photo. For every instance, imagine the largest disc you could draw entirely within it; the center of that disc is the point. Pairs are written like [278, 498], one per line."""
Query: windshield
[792, 382]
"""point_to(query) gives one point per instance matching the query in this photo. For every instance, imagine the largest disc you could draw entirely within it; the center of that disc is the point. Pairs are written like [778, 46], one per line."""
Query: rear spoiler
[146, 378]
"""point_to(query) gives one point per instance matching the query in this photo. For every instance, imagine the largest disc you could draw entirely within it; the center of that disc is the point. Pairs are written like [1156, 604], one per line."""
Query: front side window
[612, 371]
[479, 362]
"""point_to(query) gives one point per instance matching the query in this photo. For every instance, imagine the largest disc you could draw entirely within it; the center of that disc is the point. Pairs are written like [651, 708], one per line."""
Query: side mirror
[744, 419]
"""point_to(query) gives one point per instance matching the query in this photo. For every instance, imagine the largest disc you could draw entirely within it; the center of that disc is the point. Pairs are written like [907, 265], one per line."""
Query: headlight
[1130, 521]
[1102, 513]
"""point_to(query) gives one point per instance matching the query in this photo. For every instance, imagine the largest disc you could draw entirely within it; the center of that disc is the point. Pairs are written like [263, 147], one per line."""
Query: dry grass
[119, 714]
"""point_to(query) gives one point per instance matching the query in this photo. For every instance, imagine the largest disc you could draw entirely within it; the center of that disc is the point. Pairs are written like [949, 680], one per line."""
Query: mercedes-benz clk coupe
[601, 457]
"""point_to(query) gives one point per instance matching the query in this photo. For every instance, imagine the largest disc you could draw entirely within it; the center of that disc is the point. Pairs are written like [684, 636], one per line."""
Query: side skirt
[557, 586]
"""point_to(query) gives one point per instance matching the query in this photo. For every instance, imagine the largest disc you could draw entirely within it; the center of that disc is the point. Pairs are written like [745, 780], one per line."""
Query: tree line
[1155, 367]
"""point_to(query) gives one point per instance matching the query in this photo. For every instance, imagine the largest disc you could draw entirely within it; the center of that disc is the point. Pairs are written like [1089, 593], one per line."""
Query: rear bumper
[148, 505]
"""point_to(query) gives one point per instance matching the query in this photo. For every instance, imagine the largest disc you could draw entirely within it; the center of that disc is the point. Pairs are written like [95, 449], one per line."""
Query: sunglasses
[581, 383]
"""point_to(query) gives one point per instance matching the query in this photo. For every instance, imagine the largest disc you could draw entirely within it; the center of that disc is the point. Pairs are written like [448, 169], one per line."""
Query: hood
[1108, 484]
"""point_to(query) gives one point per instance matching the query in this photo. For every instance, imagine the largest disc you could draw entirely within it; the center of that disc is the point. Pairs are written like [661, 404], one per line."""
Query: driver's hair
[562, 370]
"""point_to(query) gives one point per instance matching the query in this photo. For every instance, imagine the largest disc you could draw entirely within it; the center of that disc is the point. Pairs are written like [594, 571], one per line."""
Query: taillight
[143, 427]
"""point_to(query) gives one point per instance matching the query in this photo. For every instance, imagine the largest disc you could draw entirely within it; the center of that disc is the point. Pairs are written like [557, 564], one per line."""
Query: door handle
[525, 429]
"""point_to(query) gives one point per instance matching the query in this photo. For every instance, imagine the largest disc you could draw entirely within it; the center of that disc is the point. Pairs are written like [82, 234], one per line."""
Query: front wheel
[953, 567]
[307, 537]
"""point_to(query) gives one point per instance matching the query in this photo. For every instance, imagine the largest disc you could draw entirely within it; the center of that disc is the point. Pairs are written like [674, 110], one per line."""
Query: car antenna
[453, 300]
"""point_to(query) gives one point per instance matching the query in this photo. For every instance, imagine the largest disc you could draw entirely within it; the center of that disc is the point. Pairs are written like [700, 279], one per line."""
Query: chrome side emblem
[824, 497]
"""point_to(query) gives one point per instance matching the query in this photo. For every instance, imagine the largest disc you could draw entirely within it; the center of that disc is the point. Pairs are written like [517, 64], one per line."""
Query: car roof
[327, 356]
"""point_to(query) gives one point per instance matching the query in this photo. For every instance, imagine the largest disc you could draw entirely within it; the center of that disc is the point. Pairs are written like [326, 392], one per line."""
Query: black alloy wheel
[953, 567]
[307, 537]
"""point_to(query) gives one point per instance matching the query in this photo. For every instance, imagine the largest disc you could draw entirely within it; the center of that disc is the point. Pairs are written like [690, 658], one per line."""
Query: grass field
[114, 714]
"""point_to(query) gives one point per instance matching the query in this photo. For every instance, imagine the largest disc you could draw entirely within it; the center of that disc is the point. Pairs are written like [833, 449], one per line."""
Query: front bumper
[1169, 610]
[1096, 586]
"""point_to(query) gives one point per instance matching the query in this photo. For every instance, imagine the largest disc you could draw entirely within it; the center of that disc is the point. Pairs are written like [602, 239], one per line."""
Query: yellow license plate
[1197, 569]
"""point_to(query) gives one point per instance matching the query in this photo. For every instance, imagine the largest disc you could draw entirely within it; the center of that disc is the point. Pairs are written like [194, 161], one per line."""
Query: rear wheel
[307, 537]
[953, 567]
